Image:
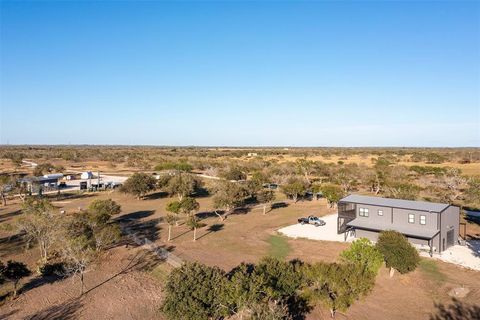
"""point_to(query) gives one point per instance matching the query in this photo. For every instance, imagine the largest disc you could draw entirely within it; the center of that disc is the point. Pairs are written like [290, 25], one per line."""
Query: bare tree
[78, 255]
[454, 183]
[39, 224]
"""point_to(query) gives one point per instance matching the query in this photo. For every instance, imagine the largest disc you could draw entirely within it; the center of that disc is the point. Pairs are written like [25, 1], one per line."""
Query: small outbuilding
[86, 175]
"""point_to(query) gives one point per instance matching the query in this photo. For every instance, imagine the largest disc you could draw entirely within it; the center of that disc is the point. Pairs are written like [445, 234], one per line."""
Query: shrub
[100, 211]
[398, 253]
[169, 165]
[364, 254]
[195, 291]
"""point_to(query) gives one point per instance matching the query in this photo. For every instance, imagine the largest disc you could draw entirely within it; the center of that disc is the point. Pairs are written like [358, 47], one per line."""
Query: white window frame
[380, 212]
[411, 218]
[363, 212]
[424, 218]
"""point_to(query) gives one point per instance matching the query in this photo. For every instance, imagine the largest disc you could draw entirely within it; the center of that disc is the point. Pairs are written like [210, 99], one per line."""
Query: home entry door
[450, 240]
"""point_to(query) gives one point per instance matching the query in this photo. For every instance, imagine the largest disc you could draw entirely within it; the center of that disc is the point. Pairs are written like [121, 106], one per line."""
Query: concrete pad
[328, 232]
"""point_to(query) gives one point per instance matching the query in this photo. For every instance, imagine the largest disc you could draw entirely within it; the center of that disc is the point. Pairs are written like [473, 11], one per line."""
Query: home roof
[396, 203]
[38, 179]
[412, 231]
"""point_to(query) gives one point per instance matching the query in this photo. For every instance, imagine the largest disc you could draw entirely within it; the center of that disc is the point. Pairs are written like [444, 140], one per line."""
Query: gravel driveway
[328, 232]
[467, 256]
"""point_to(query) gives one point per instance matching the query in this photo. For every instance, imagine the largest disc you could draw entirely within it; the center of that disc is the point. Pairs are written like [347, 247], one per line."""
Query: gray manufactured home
[435, 225]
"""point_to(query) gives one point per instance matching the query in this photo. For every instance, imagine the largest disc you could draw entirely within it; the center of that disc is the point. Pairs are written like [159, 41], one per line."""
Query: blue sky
[240, 73]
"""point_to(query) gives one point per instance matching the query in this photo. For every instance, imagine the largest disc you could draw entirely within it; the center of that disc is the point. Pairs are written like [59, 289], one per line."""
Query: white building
[86, 175]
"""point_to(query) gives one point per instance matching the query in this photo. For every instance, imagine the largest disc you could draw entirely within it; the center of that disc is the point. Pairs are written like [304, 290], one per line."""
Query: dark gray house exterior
[432, 224]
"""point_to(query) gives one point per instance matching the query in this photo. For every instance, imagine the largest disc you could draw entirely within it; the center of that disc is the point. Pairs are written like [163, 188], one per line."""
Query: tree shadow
[12, 244]
[209, 214]
[10, 215]
[67, 196]
[241, 210]
[182, 234]
[474, 245]
[278, 205]
[298, 307]
[201, 193]
[213, 228]
[135, 215]
[64, 310]
[8, 314]
[132, 225]
[150, 260]
[40, 281]
[156, 195]
[457, 310]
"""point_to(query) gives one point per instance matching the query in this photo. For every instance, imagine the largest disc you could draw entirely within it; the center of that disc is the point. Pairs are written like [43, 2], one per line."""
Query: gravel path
[466, 256]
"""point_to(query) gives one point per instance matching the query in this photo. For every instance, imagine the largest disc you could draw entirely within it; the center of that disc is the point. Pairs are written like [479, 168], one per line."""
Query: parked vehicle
[312, 220]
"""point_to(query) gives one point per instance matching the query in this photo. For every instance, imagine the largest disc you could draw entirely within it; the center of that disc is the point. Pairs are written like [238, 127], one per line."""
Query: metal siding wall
[450, 218]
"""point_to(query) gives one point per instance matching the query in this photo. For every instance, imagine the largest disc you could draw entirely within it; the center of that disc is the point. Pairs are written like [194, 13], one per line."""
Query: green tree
[295, 188]
[182, 185]
[107, 236]
[473, 190]
[398, 253]
[233, 173]
[14, 271]
[305, 167]
[332, 193]
[338, 286]
[139, 184]
[265, 197]
[282, 279]
[174, 207]
[171, 220]
[102, 210]
[189, 205]
[195, 292]
[244, 289]
[193, 223]
[260, 177]
[365, 254]
[252, 187]
[402, 190]
[228, 196]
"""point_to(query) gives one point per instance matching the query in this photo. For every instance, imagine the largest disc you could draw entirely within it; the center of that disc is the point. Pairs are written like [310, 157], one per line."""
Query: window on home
[363, 212]
[411, 218]
[423, 219]
[380, 212]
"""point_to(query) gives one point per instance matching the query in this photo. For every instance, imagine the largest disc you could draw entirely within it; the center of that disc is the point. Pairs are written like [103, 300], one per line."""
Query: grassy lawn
[279, 247]
[430, 268]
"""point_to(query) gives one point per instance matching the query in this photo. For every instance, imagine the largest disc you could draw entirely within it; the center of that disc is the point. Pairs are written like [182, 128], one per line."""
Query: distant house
[435, 225]
[40, 184]
[86, 175]
[252, 154]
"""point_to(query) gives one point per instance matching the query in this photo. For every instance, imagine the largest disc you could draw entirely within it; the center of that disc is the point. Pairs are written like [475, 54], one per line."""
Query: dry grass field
[126, 282]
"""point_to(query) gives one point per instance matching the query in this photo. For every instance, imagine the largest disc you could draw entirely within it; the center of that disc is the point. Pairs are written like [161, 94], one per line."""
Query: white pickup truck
[312, 220]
